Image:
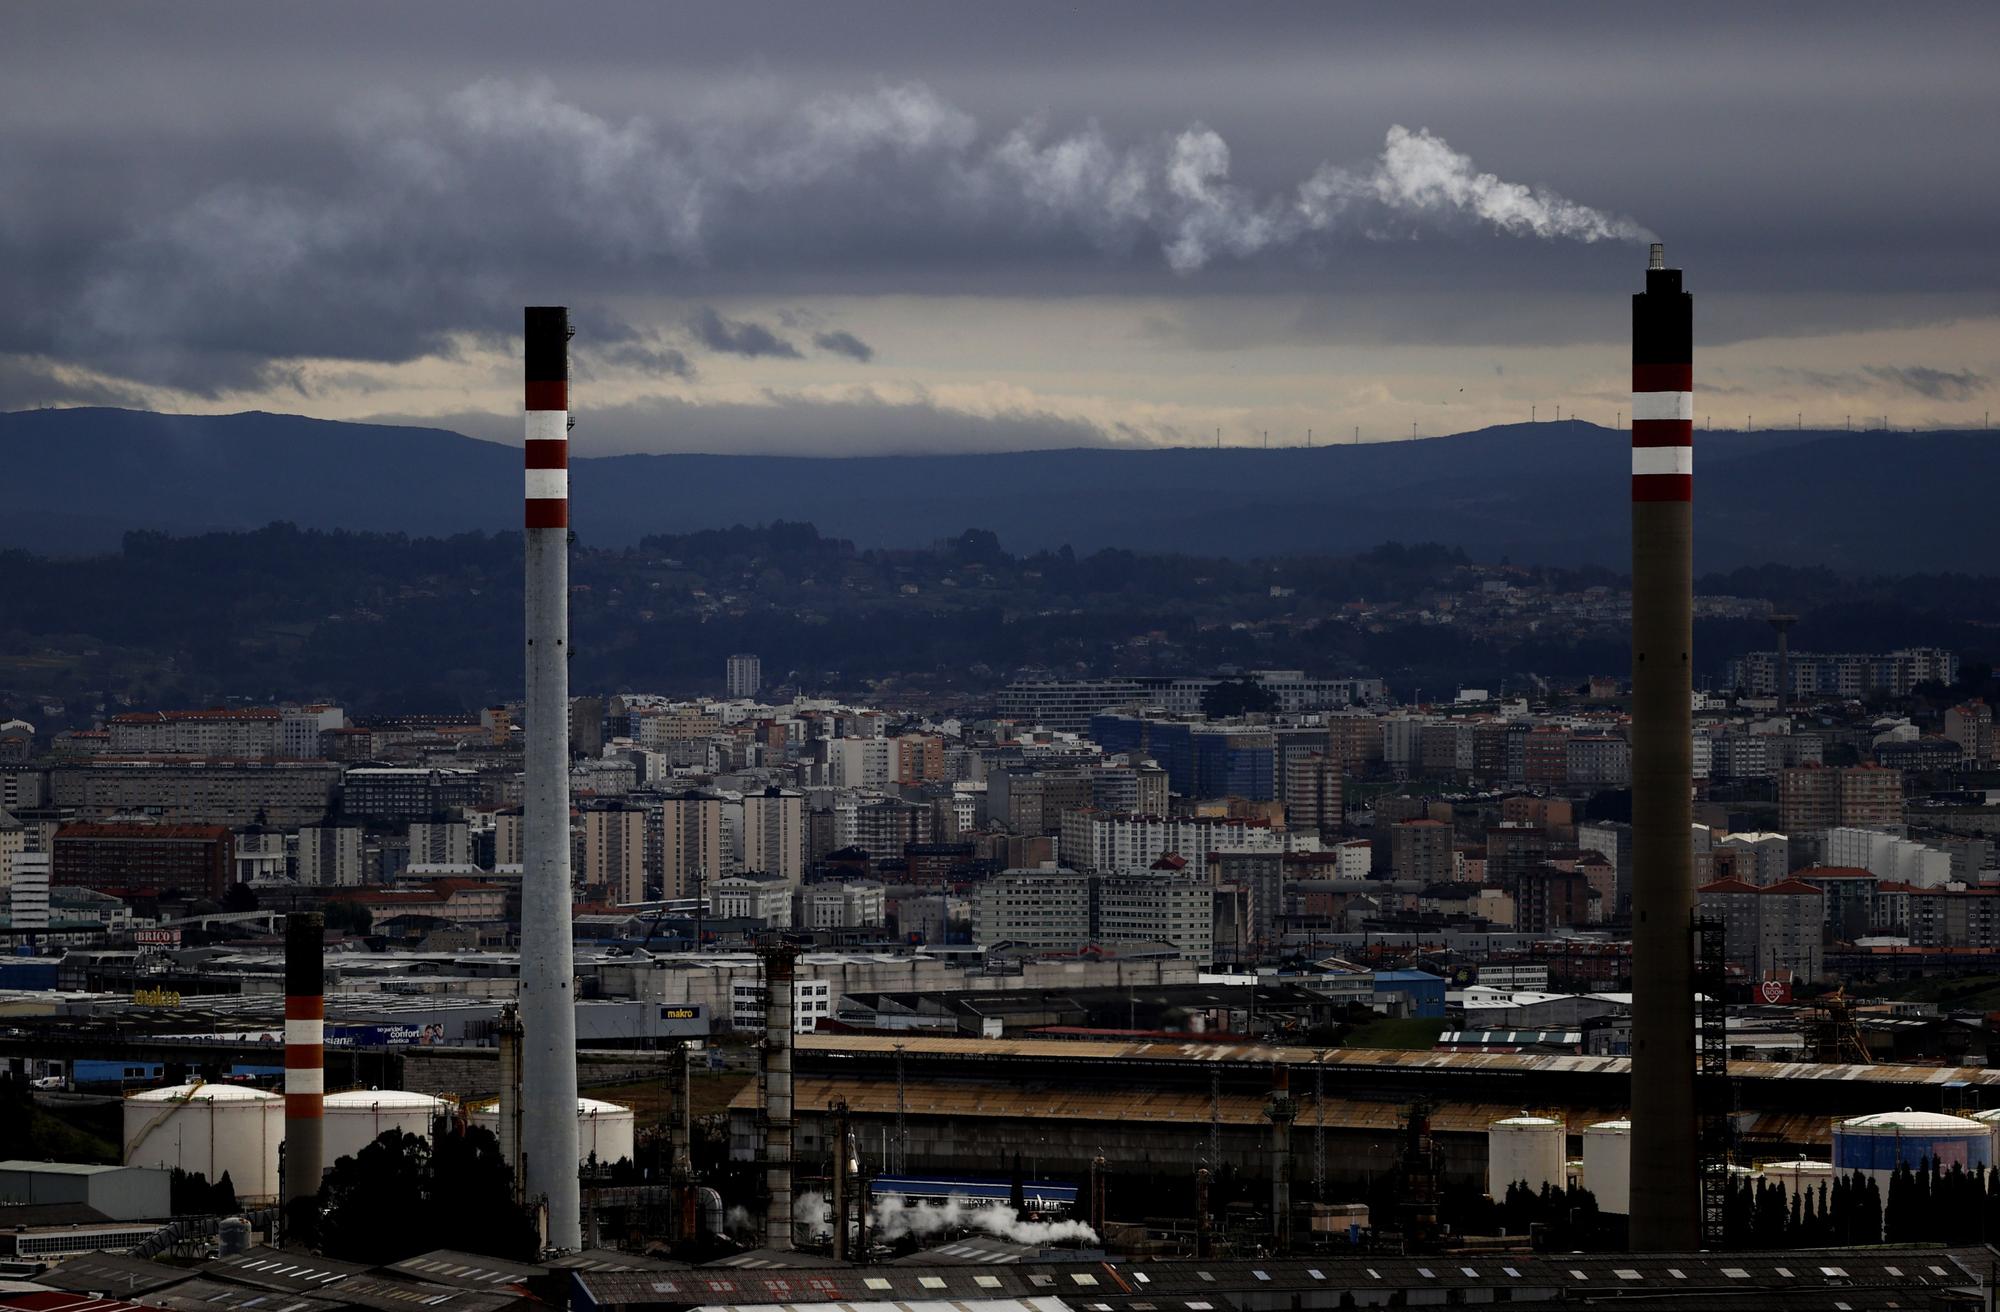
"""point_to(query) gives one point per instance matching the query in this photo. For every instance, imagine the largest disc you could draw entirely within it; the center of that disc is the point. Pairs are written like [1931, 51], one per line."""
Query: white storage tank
[1800, 1177]
[1524, 1147]
[209, 1129]
[359, 1117]
[1607, 1165]
[1876, 1145]
[603, 1128]
[1991, 1119]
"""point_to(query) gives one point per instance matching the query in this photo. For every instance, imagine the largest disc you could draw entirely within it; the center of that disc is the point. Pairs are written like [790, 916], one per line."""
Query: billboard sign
[683, 1020]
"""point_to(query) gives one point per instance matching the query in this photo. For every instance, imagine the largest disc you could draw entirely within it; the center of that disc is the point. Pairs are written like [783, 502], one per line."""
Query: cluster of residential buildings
[1065, 817]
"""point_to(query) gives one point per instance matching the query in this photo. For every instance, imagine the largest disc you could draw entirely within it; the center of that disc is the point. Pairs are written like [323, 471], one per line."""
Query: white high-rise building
[28, 895]
[694, 844]
[1101, 843]
[440, 843]
[330, 855]
[744, 676]
[1892, 859]
[774, 834]
[863, 762]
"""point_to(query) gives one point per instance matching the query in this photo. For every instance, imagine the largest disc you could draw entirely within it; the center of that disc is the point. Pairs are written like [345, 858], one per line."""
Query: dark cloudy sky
[855, 227]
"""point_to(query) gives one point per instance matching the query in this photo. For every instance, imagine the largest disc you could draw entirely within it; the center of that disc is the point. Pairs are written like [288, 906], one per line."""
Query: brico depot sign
[157, 938]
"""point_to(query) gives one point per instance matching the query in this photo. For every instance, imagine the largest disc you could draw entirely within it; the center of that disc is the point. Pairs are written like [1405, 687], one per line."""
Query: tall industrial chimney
[548, 1004]
[1666, 1209]
[305, 1067]
[508, 1037]
[1281, 1112]
[779, 999]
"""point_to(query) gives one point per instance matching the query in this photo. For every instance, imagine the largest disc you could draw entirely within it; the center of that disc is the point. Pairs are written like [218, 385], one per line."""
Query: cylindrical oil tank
[1991, 1119]
[1799, 1177]
[359, 1117]
[1525, 1148]
[210, 1129]
[1607, 1165]
[1875, 1145]
[602, 1128]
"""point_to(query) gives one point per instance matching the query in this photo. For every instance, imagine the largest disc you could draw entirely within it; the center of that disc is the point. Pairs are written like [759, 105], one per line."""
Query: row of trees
[401, 1196]
[1928, 1203]
[1762, 1213]
[1564, 1217]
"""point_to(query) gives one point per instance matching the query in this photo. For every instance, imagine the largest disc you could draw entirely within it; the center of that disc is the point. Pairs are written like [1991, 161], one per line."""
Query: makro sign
[156, 998]
[683, 1020]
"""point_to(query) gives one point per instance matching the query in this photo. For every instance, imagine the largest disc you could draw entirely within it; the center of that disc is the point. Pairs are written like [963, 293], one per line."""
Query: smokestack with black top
[548, 1003]
[1666, 1207]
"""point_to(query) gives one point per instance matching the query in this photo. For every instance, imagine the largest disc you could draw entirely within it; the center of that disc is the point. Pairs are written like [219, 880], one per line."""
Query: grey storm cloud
[839, 341]
[642, 356]
[1912, 380]
[744, 337]
[448, 211]
[1935, 384]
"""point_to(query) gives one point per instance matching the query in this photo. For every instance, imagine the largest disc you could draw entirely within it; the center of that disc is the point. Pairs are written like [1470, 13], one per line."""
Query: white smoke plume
[892, 1220]
[889, 1220]
[443, 207]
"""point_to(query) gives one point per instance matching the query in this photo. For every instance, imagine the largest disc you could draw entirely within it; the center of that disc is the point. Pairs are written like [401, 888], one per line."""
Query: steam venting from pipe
[890, 1220]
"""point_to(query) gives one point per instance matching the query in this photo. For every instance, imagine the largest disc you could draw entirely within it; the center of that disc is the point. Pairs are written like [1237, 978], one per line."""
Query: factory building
[121, 1193]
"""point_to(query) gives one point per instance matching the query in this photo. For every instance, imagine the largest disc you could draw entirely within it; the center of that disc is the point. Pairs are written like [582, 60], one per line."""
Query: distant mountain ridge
[1552, 493]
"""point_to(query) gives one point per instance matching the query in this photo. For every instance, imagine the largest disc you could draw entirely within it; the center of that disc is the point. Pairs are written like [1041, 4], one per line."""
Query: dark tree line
[191, 1194]
[1557, 1216]
[1760, 1213]
[401, 1196]
[385, 622]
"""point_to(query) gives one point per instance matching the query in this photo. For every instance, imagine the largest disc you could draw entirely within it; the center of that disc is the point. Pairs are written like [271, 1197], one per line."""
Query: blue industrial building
[1411, 992]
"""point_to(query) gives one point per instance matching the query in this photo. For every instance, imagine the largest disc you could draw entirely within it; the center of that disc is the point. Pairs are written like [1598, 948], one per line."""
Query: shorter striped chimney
[305, 1054]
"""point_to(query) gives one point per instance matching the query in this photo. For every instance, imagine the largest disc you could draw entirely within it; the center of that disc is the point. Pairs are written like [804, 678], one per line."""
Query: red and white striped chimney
[1665, 1192]
[1662, 388]
[547, 991]
[305, 1054]
[547, 378]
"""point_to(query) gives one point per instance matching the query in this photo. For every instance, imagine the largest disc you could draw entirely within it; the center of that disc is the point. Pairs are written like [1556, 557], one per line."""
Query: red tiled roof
[214, 713]
[84, 829]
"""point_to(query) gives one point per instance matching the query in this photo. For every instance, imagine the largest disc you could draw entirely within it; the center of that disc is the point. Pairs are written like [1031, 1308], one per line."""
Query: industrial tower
[1665, 1176]
[548, 1002]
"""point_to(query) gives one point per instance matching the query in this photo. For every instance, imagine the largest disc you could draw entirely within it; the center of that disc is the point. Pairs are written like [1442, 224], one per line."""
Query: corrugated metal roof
[960, 1098]
[1262, 1283]
[1512, 1063]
